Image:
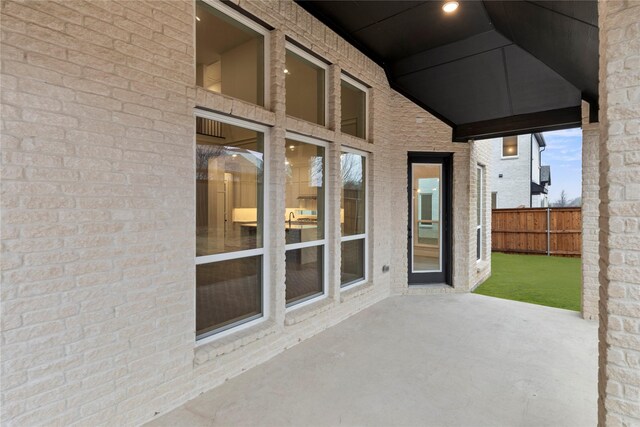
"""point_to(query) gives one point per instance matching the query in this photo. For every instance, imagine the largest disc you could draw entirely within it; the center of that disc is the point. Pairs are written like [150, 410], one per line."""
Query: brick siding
[98, 213]
[619, 346]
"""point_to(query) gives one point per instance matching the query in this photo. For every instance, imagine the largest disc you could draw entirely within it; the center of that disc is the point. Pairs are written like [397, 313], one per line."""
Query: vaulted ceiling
[490, 68]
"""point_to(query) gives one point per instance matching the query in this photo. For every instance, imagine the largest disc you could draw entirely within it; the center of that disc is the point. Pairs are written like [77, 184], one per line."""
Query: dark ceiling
[491, 68]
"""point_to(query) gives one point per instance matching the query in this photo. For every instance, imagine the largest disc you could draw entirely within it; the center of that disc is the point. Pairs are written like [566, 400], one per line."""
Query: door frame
[443, 277]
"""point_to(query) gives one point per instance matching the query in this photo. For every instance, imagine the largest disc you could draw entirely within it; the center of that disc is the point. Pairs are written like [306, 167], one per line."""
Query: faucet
[291, 214]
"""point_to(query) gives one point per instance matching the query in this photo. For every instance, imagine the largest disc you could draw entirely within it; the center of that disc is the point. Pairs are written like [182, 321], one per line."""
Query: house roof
[545, 175]
[492, 68]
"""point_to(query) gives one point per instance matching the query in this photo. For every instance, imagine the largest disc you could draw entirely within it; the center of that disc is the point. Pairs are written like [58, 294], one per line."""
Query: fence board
[525, 231]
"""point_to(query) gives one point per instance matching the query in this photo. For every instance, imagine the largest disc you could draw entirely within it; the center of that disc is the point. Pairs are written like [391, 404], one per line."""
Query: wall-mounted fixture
[500, 175]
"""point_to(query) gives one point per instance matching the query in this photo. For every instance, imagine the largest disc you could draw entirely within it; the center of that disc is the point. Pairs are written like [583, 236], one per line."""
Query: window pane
[478, 245]
[304, 273]
[353, 101]
[304, 192]
[229, 192]
[229, 56]
[352, 198]
[352, 263]
[228, 292]
[510, 146]
[305, 89]
[426, 216]
[479, 196]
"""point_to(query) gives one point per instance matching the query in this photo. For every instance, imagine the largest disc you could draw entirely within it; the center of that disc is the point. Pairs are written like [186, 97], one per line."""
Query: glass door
[428, 225]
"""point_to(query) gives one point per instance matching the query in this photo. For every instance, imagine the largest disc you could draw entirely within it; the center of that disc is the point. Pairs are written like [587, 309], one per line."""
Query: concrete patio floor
[440, 360]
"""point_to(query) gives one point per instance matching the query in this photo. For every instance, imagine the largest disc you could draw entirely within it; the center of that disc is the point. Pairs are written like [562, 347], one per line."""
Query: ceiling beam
[544, 121]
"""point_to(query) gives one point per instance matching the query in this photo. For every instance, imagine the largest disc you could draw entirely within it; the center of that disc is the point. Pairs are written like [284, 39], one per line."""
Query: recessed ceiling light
[198, 18]
[450, 6]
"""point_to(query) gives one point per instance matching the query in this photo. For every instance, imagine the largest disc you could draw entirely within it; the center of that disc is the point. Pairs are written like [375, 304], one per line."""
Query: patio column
[619, 334]
[590, 215]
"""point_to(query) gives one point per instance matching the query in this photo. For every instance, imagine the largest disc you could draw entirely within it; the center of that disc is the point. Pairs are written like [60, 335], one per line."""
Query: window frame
[364, 235]
[344, 77]
[289, 46]
[479, 227]
[266, 54]
[266, 233]
[313, 243]
[515, 156]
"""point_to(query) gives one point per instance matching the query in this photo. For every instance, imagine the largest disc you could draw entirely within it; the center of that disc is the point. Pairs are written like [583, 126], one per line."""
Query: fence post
[548, 231]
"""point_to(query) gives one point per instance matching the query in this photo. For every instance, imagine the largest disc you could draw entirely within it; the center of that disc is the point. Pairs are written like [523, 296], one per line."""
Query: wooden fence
[525, 231]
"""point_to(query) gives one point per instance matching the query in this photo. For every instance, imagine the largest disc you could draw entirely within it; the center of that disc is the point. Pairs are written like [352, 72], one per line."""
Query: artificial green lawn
[545, 280]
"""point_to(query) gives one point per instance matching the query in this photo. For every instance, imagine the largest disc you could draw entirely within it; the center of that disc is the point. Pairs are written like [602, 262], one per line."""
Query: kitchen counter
[286, 226]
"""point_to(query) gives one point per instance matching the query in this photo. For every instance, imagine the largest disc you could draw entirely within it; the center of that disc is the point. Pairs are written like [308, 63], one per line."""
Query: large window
[510, 146]
[305, 86]
[479, 210]
[230, 233]
[353, 218]
[305, 220]
[230, 52]
[353, 100]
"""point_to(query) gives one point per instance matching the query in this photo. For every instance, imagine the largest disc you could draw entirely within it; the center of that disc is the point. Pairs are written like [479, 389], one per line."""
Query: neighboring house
[518, 178]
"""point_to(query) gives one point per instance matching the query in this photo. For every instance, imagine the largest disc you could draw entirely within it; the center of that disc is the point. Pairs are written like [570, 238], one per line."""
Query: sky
[564, 155]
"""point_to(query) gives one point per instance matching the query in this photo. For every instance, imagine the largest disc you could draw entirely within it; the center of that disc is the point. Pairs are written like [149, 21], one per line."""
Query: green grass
[551, 281]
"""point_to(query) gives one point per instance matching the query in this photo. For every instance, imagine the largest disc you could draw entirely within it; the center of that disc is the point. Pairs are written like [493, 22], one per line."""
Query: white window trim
[315, 61]
[266, 235]
[364, 235]
[266, 34]
[480, 242]
[365, 89]
[515, 156]
[440, 225]
[321, 242]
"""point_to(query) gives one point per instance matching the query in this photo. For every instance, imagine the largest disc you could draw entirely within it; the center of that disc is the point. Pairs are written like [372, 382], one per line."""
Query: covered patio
[160, 212]
[453, 359]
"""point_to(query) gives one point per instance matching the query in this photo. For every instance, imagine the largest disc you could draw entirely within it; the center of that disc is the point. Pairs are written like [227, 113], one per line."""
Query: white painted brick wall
[590, 216]
[481, 154]
[98, 206]
[619, 333]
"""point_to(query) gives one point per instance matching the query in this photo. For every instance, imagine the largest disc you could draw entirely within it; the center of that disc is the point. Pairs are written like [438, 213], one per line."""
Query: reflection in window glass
[353, 101]
[510, 146]
[227, 292]
[352, 196]
[229, 56]
[304, 275]
[229, 188]
[352, 263]
[305, 89]
[304, 192]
